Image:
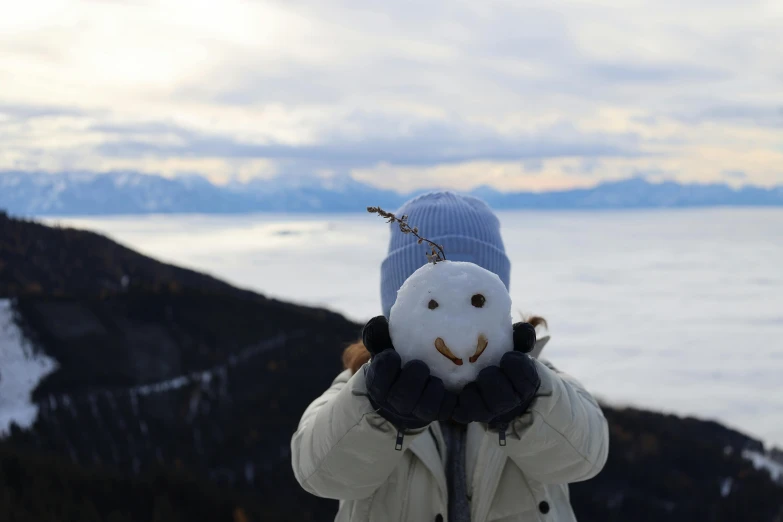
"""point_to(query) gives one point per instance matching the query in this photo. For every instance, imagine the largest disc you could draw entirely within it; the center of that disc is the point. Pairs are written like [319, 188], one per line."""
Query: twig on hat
[436, 251]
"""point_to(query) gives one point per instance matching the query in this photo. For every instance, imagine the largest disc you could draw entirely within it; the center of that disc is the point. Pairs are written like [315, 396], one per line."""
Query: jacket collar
[487, 471]
[539, 346]
[431, 451]
[490, 458]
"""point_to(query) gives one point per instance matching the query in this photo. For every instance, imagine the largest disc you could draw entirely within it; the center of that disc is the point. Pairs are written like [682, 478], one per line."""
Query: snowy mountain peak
[129, 192]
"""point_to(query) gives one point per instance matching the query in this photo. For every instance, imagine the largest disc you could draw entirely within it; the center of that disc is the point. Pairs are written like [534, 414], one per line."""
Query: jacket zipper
[398, 442]
[502, 434]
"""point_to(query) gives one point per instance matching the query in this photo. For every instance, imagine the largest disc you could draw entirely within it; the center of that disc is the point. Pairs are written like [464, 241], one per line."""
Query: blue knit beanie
[465, 226]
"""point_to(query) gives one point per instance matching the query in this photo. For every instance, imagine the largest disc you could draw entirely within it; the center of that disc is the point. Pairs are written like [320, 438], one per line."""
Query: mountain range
[81, 193]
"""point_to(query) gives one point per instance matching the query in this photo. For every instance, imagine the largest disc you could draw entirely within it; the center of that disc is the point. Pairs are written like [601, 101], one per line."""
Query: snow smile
[481, 345]
[440, 345]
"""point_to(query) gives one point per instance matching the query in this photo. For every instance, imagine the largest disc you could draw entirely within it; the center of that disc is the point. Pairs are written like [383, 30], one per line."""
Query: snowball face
[454, 316]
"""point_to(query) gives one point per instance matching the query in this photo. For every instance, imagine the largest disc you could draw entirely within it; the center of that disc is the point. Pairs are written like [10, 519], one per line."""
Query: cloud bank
[455, 94]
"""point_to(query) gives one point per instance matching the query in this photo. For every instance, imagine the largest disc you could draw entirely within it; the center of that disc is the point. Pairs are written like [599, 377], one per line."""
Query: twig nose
[481, 345]
[440, 345]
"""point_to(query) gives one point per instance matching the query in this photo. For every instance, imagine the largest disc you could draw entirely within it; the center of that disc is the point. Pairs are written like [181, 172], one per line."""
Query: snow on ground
[761, 461]
[725, 486]
[20, 372]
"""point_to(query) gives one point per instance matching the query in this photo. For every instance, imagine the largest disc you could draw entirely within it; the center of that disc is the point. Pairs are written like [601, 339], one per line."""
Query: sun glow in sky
[514, 94]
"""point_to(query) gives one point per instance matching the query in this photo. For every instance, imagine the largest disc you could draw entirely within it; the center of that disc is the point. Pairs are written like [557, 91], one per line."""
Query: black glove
[408, 397]
[502, 393]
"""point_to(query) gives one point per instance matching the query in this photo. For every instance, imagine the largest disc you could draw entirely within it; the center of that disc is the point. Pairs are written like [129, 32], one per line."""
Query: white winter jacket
[345, 451]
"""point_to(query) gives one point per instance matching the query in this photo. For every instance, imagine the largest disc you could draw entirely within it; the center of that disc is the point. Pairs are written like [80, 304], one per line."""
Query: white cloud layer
[457, 94]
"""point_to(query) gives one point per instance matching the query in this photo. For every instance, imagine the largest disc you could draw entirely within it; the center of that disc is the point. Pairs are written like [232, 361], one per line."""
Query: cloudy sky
[514, 94]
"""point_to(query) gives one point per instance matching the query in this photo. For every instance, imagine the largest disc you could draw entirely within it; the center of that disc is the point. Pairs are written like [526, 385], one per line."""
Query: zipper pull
[502, 435]
[398, 443]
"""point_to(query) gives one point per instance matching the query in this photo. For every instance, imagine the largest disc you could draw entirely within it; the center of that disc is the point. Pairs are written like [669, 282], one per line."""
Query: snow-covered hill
[20, 372]
[26, 193]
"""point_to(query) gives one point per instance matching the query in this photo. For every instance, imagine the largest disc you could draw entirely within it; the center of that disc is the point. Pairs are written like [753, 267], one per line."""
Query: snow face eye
[478, 300]
[433, 304]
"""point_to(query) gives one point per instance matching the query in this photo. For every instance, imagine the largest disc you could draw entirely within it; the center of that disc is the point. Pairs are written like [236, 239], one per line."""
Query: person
[392, 444]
